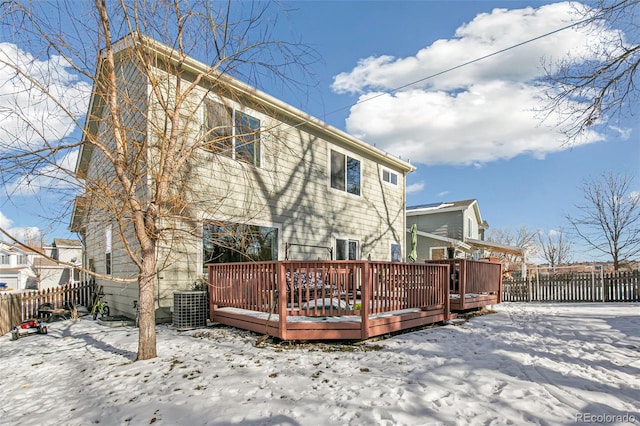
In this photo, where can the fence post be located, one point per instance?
(602, 281)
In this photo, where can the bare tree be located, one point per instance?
(522, 237)
(555, 247)
(609, 218)
(141, 185)
(592, 88)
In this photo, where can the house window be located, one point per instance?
(232, 133)
(22, 259)
(345, 173)
(469, 228)
(237, 242)
(346, 249)
(4, 259)
(438, 253)
(390, 177)
(107, 250)
(396, 252)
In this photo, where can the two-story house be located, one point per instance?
(50, 273)
(22, 269)
(452, 229)
(268, 182)
(447, 229)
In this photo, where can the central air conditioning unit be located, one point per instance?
(189, 309)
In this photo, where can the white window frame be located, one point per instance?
(265, 224)
(5, 259)
(469, 227)
(391, 244)
(348, 240)
(390, 173)
(234, 138)
(444, 252)
(330, 168)
(108, 250)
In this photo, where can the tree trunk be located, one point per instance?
(146, 305)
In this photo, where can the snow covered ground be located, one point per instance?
(549, 364)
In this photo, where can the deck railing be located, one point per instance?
(398, 286)
(473, 276)
(328, 288)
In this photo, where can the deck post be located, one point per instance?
(447, 294)
(500, 284)
(462, 277)
(282, 300)
(210, 288)
(365, 299)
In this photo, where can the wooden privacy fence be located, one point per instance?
(575, 287)
(17, 307)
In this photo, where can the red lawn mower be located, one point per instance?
(28, 327)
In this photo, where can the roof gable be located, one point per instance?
(278, 108)
(444, 207)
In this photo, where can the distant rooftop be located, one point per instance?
(59, 242)
(442, 205)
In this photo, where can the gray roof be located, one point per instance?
(59, 242)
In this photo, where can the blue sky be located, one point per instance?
(513, 164)
(471, 133)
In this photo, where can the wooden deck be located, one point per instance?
(328, 300)
(474, 284)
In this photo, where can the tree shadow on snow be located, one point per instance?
(98, 344)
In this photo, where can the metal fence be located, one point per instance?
(593, 286)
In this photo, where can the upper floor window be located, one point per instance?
(232, 133)
(345, 173)
(22, 259)
(4, 259)
(469, 228)
(389, 177)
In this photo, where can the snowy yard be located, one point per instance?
(550, 364)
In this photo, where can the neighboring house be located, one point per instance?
(451, 229)
(16, 272)
(296, 189)
(22, 269)
(52, 274)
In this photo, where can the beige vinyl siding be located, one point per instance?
(446, 224)
(290, 190)
(293, 190)
(101, 212)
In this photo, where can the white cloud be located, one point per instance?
(40, 106)
(5, 222)
(483, 112)
(16, 232)
(625, 133)
(415, 187)
(59, 175)
(40, 103)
